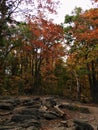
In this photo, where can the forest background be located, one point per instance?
(38, 56)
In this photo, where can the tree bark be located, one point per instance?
(37, 75)
(78, 87)
(95, 86)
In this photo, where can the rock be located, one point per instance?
(59, 128)
(10, 128)
(11, 100)
(5, 97)
(28, 118)
(32, 128)
(36, 103)
(14, 102)
(49, 102)
(37, 99)
(67, 123)
(20, 118)
(34, 112)
(50, 115)
(4, 113)
(26, 113)
(82, 125)
(31, 123)
(6, 106)
(43, 108)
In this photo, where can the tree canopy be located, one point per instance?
(39, 56)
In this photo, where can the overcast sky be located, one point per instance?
(67, 6)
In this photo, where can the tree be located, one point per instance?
(73, 65)
(84, 46)
(87, 34)
(45, 42)
(13, 41)
(7, 31)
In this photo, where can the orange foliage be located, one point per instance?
(86, 28)
(27, 48)
(45, 34)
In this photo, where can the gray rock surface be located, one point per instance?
(28, 114)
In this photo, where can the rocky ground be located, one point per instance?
(46, 113)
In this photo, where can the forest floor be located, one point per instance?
(90, 117)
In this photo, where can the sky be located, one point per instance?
(67, 6)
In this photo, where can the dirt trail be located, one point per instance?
(94, 112)
(93, 108)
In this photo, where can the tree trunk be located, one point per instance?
(37, 76)
(90, 79)
(78, 87)
(95, 85)
(93, 82)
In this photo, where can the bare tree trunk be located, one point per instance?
(78, 86)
